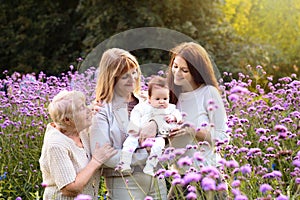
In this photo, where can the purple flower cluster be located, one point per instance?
(261, 160)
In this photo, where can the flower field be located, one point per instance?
(261, 161)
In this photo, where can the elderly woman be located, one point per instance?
(66, 163)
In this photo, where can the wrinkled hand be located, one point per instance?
(102, 154)
(96, 106)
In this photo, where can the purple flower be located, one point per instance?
(191, 188)
(83, 197)
(282, 197)
(160, 72)
(235, 191)
(282, 135)
(191, 195)
(261, 131)
(43, 184)
(208, 184)
(233, 97)
(274, 174)
(265, 187)
(240, 197)
(239, 89)
(211, 101)
(148, 198)
(246, 169)
(232, 164)
(253, 151)
(269, 149)
(179, 151)
(222, 187)
(18, 198)
(277, 107)
(212, 170)
(79, 59)
(296, 163)
(191, 177)
(236, 183)
(242, 149)
(177, 181)
(197, 156)
(185, 161)
(280, 128)
(148, 142)
(251, 108)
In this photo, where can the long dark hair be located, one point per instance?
(199, 65)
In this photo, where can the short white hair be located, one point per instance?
(64, 105)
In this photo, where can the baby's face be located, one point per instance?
(159, 98)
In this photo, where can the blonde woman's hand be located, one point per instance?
(102, 154)
(148, 131)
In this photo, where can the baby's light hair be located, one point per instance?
(157, 82)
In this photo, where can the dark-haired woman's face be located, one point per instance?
(182, 75)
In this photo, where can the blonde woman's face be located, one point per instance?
(126, 83)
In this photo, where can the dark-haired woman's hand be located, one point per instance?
(199, 135)
(180, 131)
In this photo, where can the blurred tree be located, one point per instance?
(38, 35)
(275, 25)
(201, 20)
(49, 35)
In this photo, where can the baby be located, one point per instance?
(157, 108)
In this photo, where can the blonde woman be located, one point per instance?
(66, 162)
(118, 88)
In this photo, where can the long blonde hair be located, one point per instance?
(114, 63)
(199, 65)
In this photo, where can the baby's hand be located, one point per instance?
(170, 118)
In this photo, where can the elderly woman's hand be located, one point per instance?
(102, 154)
(96, 106)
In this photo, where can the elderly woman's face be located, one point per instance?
(82, 115)
(127, 83)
